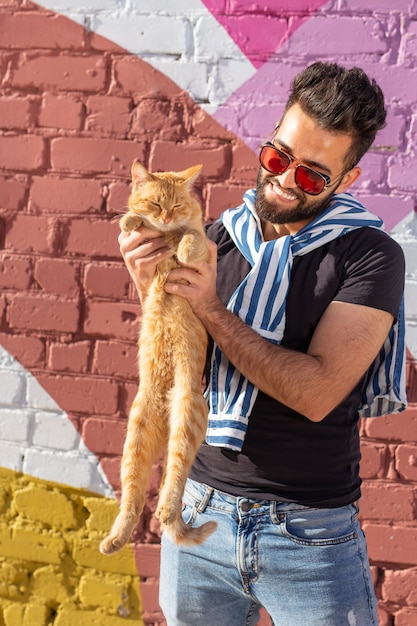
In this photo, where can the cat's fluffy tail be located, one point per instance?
(180, 533)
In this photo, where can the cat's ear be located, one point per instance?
(190, 175)
(140, 174)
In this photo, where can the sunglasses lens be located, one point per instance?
(273, 160)
(309, 181)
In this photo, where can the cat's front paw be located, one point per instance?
(166, 512)
(111, 544)
(130, 222)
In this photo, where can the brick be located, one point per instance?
(25, 544)
(39, 30)
(13, 387)
(117, 198)
(106, 280)
(63, 468)
(116, 359)
(63, 73)
(215, 158)
(15, 272)
(374, 460)
(98, 238)
(12, 458)
(32, 233)
(95, 156)
(220, 198)
(398, 427)
(69, 357)
(112, 319)
(25, 153)
(13, 615)
(15, 112)
(108, 114)
(104, 436)
(391, 544)
(50, 507)
(133, 76)
(105, 591)
(400, 586)
(54, 431)
(150, 596)
(64, 112)
(382, 500)
(150, 116)
(406, 461)
(36, 614)
(148, 560)
(111, 467)
(68, 617)
(29, 351)
(86, 553)
(38, 312)
(102, 513)
(81, 394)
(406, 617)
(65, 195)
(12, 193)
(14, 426)
(50, 584)
(57, 276)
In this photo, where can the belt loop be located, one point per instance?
(273, 511)
(204, 502)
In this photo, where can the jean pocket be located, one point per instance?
(321, 527)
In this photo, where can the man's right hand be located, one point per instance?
(142, 250)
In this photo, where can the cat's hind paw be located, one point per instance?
(111, 544)
(166, 513)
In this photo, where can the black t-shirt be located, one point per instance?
(286, 456)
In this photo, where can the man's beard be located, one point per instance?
(306, 209)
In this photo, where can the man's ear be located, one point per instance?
(348, 179)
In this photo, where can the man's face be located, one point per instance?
(278, 199)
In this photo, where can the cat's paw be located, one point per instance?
(130, 222)
(111, 544)
(166, 512)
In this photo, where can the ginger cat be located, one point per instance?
(169, 412)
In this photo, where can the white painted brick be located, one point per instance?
(38, 398)
(52, 430)
(14, 425)
(410, 296)
(66, 468)
(411, 338)
(11, 456)
(12, 388)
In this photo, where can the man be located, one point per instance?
(300, 293)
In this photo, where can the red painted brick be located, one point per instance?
(86, 394)
(12, 193)
(109, 114)
(64, 112)
(112, 319)
(104, 436)
(384, 501)
(92, 238)
(245, 165)
(28, 30)
(129, 392)
(38, 312)
(406, 461)
(391, 544)
(220, 198)
(57, 276)
(147, 558)
(215, 158)
(134, 76)
(29, 351)
(22, 153)
(406, 617)
(65, 72)
(374, 459)
(95, 156)
(111, 467)
(15, 112)
(65, 195)
(70, 357)
(32, 233)
(150, 600)
(400, 586)
(15, 272)
(398, 427)
(116, 359)
(106, 280)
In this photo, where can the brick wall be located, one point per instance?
(76, 106)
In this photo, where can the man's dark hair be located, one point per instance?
(341, 100)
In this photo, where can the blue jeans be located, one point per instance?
(306, 566)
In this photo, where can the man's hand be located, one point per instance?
(142, 250)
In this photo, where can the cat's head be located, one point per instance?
(163, 199)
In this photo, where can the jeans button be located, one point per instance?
(245, 506)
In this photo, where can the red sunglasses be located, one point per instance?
(276, 161)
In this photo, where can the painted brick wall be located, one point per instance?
(173, 83)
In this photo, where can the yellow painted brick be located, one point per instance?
(36, 615)
(86, 553)
(68, 617)
(102, 511)
(48, 506)
(50, 583)
(116, 594)
(32, 545)
(14, 580)
(13, 615)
